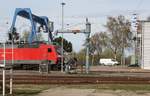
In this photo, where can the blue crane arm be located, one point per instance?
(42, 20)
(37, 19)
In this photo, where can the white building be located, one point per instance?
(145, 45)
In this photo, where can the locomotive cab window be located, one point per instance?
(49, 50)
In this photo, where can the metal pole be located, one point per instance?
(3, 81)
(88, 31)
(62, 53)
(136, 42)
(11, 71)
(135, 36)
(4, 72)
(87, 59)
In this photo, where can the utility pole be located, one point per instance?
(11, 70)
(88, 31)
(62, 50)
(135, 25)
(4, 55)
(11, 66)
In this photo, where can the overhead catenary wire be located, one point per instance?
(139, 4)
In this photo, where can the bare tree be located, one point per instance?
(119, 33)
(98, 42)
(26, 34)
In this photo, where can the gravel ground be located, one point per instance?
(62, 91)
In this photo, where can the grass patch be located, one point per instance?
(127, 87)
(33, 90)
(29, 90)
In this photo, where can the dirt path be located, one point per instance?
(62, 91)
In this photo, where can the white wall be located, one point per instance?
(145, 45)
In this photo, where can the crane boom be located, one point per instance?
(42, 20)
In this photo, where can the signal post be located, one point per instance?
(85, 31)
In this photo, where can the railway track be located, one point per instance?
(39, 79)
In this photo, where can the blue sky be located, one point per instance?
(75, 13)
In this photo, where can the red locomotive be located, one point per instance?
(33, 55)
